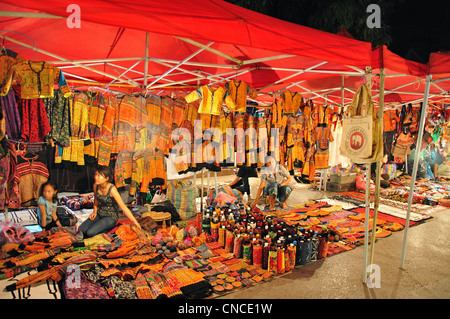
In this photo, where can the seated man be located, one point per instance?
(241, 183)
(275, 181)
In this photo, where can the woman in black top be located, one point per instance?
(106, 205)
(241, 183)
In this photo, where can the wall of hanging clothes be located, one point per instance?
(79, 129)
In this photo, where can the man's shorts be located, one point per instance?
(281, 192)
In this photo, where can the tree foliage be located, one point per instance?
(329, 15)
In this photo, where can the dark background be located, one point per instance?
(410, 28)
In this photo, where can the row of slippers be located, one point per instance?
(224, 282)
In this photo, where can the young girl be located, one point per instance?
(47, 202)
(107, 202)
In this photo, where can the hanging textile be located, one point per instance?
(291, 101)
(12, 199)
(123, 168)
(322, 137)
(264, 130)
(153, 105)
(37, 79)
(11, 116)
(58, 111)
(294, 142)
(238, 91)
(240, 125)
(33, 111)
(8, 58)
(96, 105)
(251, 142)
(106, 136)
(79, 115)
(166, 121)
(32, 173)
(226, 127)
(212, 99)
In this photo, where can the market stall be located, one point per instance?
(123, 88)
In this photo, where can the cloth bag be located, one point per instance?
(362, 131)
(182, 194)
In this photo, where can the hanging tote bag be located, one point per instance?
(182, 195)
(362, 139)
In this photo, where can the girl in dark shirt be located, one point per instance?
(106, 205)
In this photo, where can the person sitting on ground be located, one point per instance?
(107, 202)
(274, 183)
(241, 183)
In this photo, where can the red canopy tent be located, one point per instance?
(439, 69)
(438, 78)
(176, 44)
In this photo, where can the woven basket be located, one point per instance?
(158, 216)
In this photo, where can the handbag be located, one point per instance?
(159, 197)
(65, 217)
(362, 139)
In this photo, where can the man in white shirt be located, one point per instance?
(275, 181)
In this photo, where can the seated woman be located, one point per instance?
(107, 202)
(241, 183)
(275, 181)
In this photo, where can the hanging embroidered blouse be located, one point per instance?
(292, 101)
(153, 105)
(7, 59)
(238, 91)
(79, 116)
(32, 173)
(37, 79)
(390, 121)
(106, 135)
(58, 111)
(212, 99)
(322, 136)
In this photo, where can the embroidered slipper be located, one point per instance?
(218, 289)
(230, 279)
(237, 284)
(256, 278)
(228, 287)
(382, 233)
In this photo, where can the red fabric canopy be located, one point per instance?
(439, 64)
(212, 20)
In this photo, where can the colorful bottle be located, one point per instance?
(265, 256)
(247, 252)
(257, 254)
(237, 247)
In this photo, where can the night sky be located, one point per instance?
(415, 27)
(419, 28)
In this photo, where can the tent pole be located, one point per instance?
(416, 164)
(201, 190)
(208, 181)
(179, 64)
(126, 71)
(324, 97)
(237, 61)
(270, 58)
(342, 90)
(366, 221)
(147, 42)
(378, 174)
(367, 204)
(66, 60)
(294, 75)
